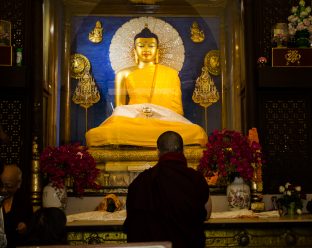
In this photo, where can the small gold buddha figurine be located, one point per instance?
(95, 35)
(197, 35)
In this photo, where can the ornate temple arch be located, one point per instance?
(220, 20)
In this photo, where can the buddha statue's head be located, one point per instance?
(146, 47)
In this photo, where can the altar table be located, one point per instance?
(250, 232)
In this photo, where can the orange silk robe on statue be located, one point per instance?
(128, 126)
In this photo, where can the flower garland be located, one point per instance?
(69, 161)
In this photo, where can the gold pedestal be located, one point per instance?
(120, 165)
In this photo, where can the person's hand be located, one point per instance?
(208, 207)
(21, 228)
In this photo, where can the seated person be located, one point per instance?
(148, 102)
(16, 207)
(47, 227)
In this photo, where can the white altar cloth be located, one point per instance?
(98, 215)
(121, 215)
(243, 213)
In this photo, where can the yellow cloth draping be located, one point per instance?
(164, 90)
(137, 130)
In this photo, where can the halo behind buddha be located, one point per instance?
(171, 47)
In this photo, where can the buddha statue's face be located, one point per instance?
(146, 49)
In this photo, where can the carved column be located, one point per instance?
(65, 88)
(36, 186)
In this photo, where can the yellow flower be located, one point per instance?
(298, 188)
(287, 185)
(302, 3)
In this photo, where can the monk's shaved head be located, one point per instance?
(169, 142)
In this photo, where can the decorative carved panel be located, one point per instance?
(283, 232)
(286, 125)
(271, 13)
(13, 11)
(11, 120)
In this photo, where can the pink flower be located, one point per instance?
(262, 60)
(306, 22)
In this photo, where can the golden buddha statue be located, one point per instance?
(148, 102)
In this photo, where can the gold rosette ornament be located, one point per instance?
(79, 65)
(212, 62)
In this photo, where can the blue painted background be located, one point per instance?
(101, 70)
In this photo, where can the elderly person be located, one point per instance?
(16, 207)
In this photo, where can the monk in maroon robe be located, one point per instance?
(168, 202)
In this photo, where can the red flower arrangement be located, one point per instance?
(229, 153)
(69, 161)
